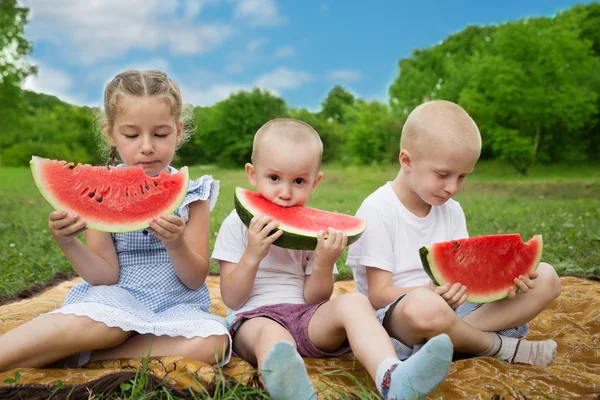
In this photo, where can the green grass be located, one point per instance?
(562, 202)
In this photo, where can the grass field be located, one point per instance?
(561, 202)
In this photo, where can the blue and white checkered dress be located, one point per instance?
(150, 297)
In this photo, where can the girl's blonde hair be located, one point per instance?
(140, 84)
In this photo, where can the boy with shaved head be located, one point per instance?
(440, 146)
(279, 300)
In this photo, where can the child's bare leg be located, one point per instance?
(263, 342)
(351, 316)
(523, 308)
(422, 314)
(210, 350)
(53, 337)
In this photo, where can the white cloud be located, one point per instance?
(211, 94)
(345, 75)
(283, 78)
(96, 30)
(274, 81)
(239, 60)
(257, 43)
(51, 81)
(285, 51)
(259, 12)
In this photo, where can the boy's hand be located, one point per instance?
(64, 227)
(329, 250)
(259, 240)
(524, 284)
(169, 229)
(455, 295)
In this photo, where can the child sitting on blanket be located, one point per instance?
(279, 300)
(142, 290)
(439, 147)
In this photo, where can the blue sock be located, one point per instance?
(421, 373)
(284, 374)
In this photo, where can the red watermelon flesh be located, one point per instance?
(486, 265)
(300, 225)
(111, 200)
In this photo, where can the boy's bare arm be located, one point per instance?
(237, 281)
(381, 289)
(319, 286)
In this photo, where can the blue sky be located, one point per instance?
(296, 49)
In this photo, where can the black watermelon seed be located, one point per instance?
(99, 199)
(155, 184)
(147, 186)
(91, 194)
(71, 166)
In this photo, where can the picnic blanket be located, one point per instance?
(572, 320)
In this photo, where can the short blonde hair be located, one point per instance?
(430, 120)
(141, 84)
(286, 128)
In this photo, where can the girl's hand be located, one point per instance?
(169, 229)
(455, 295)
(524, 284)
(330, 249)
(65, 226)
(259, 240)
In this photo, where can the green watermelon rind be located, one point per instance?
(35, 164)
(435, 276)
(291, 238)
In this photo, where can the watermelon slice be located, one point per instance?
(110, 200)
(486, 265)
(300, 225)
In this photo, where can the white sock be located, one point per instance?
(382, 369)
(522, 351)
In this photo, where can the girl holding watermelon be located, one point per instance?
(278, 299)
(440, 146)
(144, 291)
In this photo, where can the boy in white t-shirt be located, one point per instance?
(440, 146)
(279, 300)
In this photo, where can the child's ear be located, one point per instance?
(251, 174)
(405, 160)
(179, 132)
(317, 180)
(108, 134)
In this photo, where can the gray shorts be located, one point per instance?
(403, 351)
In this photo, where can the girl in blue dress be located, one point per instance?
(143, 291)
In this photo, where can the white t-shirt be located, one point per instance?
(394, 236)
(281, 274)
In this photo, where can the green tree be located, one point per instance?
(228, 136)
(14, 66)
(369, 136)
(438, 72)
(532, 100)
(337, 101)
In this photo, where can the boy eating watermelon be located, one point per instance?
(278, 299)
(440, 146)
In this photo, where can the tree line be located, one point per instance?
(532, 85)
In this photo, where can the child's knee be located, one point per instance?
(549, 281)
(353, 302)
(211, 349)
(424, 310)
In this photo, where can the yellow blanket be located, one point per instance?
(573, 321)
